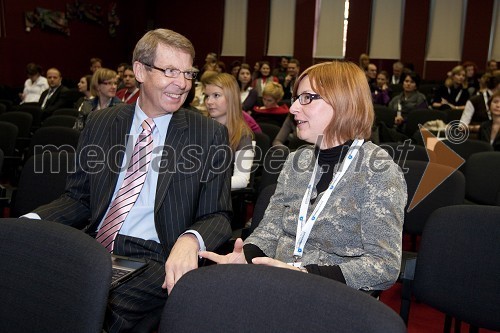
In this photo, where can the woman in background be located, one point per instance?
(249, 97)
(453, 94)
(489, 130)
(84, 88)
(409, 99)
(271, 112)
(34, 85)
(103, 88)
(381, 92)
(364, 61)
(222, 98)
(264, 76)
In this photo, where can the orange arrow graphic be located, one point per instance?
(433, 176)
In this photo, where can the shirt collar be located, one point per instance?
(160, 122)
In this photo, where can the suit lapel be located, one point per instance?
(116, 137)
(174, 142)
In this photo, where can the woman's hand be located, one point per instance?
(398, 120)
(235, 257)
(273, 262)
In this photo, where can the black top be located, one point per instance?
(328, 160)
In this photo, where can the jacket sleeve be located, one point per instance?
(214, 198)
(269, 231)
(382, 216)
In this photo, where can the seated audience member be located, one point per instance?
(491, 66)
(177, 211)
(35, 85)
(471, 77)
(281, 71)
(364, 61)
(489, 130)
(199, 96)
(220, 67)
(371, 76)
(249, 96)
(271, 111)
(476, 109)
(120, 70)
(345, 225)
(56, 96)
(381, 92)
(452, 94)
(293, 71)
(397, 73)
(264, 76)
(130, 92)
(223, 105)
(95, 64)
(84, 88)
(256, 70)
(409, 99)
(210, 63)
(234, 68)
(103, 88)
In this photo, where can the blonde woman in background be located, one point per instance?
(222, 98)
(453, 94)
(103, 88)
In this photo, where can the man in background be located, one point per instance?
(130, 91)
(56, 96)
(397, 71)
(293, 70)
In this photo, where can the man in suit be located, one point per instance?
(293, 70)
(55, 97)
(184, 205)
(397, 71)
(476, 109)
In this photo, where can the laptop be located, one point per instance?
(125, 268)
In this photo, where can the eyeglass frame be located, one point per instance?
(312, 97)
(194, 73)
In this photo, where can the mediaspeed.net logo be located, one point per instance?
(456, 133)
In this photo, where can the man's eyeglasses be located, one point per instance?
(306, 98)
(174, 72)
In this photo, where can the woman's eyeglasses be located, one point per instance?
(109, 83)
(306, 98)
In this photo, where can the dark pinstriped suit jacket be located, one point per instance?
(193, 189)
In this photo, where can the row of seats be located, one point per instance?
(454, 185)
(456, 273)
(19, 136)
(415, 117)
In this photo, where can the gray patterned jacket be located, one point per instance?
(360, 229)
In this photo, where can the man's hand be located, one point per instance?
(182, 259)
(235, 257)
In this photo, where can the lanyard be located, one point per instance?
(304, 228)
(485, 97)
(458, 95)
